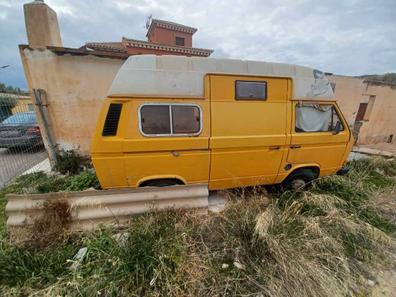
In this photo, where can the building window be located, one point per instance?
(317, 118)
(369, 109)
(180, 41)
(250, 90)
(361, 112)
(170, 119)
(30, 107)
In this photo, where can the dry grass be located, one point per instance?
(52, 225)
(325, 242)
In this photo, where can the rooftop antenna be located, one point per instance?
(148, 21)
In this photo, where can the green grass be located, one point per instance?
(39, 182)
(321, 242)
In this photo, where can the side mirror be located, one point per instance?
(337, 128)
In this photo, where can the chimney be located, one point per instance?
(41, 25)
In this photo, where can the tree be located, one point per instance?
(11, 90)
(6, 106)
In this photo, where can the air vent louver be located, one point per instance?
(112, 119)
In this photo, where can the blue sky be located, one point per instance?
(350, 37)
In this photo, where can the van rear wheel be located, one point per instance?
(299, 180)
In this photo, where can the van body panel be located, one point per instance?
(248, 137)
(222, 87)
(110, 170)
(191, 166)
(244, 167)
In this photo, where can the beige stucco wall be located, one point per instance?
(350, 92)
(75, 87)
(382, 121)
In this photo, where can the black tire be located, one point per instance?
(302, 176)
(166, 182)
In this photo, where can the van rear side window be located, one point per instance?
(169, 119)
(250, 90)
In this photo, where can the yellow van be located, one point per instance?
(226, 123)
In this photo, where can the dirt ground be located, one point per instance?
(13, 163)
(386, 147)
(386, 284)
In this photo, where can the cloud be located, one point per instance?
(344, 37)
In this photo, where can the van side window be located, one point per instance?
(185, 119)
(250, 90)
(170, 119)
(155, 119)
(317, 118)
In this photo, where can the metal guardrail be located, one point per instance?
(91, 208)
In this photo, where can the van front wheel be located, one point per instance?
(299, 180)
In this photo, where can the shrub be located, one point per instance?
(84, 180)
(39, 182)
(70, 162)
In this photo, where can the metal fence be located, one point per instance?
(21, 144)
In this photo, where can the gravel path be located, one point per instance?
(13, 163)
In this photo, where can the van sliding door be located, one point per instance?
(248, 129)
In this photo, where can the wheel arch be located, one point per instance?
(315, 168)
(178, 179)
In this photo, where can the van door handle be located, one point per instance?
(294, 146)
(273, 148)
(175, 154)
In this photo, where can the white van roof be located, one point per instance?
(179, 76)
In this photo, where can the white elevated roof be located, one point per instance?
(178, 76)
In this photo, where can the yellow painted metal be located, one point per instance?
(242, 142)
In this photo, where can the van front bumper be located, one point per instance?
(343, 171)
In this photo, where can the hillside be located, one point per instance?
(387, 78)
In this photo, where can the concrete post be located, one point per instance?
(42, 26)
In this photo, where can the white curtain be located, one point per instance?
(313, 118)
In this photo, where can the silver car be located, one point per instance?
(20, 130)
